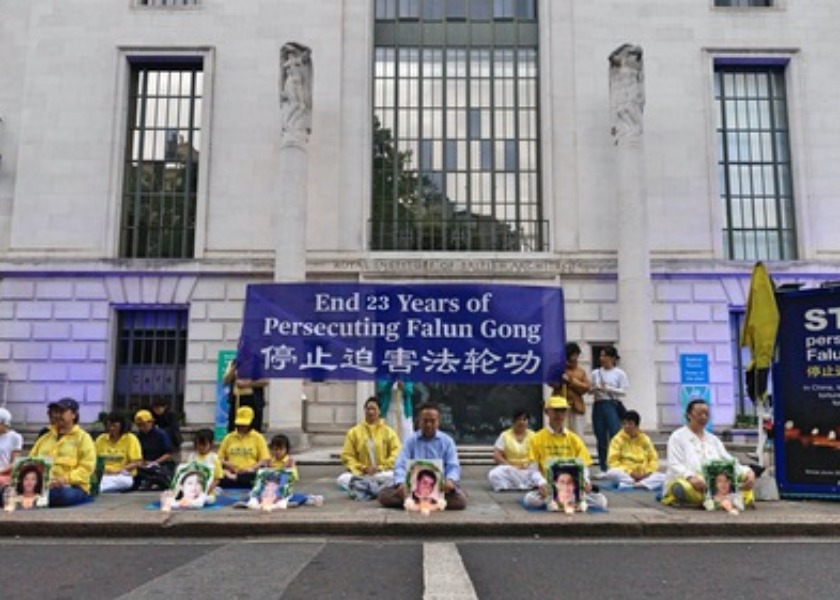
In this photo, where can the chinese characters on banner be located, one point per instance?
(423, 332)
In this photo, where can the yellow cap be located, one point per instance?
(143, 416)
(557, 402)
(244, 416)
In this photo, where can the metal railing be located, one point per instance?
(458, 235)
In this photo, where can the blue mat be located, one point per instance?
(221, 502)
(544, 508)
(612, 486)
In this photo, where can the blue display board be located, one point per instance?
(806, 382)
(220, 419)
(694, 382)
(420, 331)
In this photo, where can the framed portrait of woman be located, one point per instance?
(30, 484)
(566, 484)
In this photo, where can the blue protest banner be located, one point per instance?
(423, 332)
(806, 393)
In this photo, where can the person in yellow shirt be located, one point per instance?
(555, 441)
(120, 451)
(510, 453)
(632, 458)
(370, 449)
(242, 452)
(71, 451)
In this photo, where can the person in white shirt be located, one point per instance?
(609, 386)
(11, 446)
(689, 447)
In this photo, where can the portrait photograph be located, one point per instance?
(272, 490)
(189, 488)
(424, 485)
(566, 483)
(30, 484)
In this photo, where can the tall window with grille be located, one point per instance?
(455, 134)
(151, 358)
(754, 162)
(161, 159)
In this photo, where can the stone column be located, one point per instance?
(627, 99)
(289, 217)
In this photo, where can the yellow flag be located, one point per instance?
(762, 319)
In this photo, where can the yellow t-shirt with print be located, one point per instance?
(116, 455)
(244, 451)
(546, 445)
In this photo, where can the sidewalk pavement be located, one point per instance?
(633, 514)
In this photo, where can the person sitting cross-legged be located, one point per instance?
(510, 452)
(370, 449)
(120, 451)
(632, 459)
(242, 452)
(555, 441)
(689, 448)
(158, 466)
(71, 451)
(427, 443)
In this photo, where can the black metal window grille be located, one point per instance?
(744, 3)
(166, 3)
(161, 159)
(151, 358)
(754, 163)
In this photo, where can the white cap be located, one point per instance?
(5, 417)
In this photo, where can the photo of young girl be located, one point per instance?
(29, 488)
(272, 490)
(566, 480)
(722, 491)
(190, 487)
(424, 483)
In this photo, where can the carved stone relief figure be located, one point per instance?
(295, 92)
(627, 92)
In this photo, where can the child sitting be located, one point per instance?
(281, 460)
(203, 444)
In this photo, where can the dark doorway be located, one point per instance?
(478, 413)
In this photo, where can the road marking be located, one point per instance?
(232, 571)
(444, 575)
